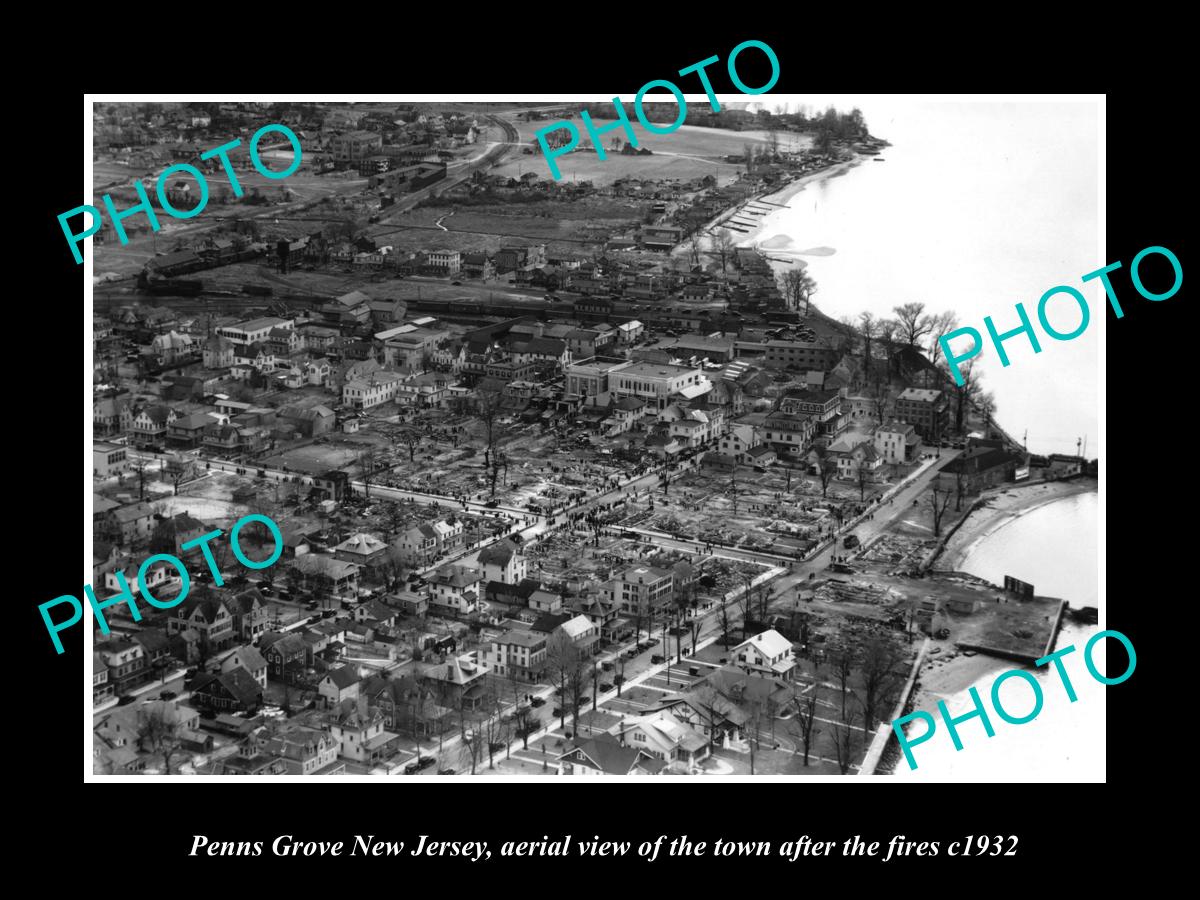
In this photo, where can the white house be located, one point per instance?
(502, 562)
(769, 653)
(663, 736)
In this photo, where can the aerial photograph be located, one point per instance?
(654, 468)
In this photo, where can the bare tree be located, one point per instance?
(805, 720)
(867, 328)
(863, 476)
(886, 331)
(764, 602)
(880, 396)
(725, 624)
(938, 501)
(747, 604)
(841, 668)
(577, 679)
(368, 465)
(845, 741)
(940, 324)
(411, 438)
(487, 410)
(881, 670)
(562, 661)
(493, 725)
(158, 733)
(914, 323)
(179, 471)
(139, 473)
(798, 286)
(826, 467)
(722, 242)
(985, 403)
(472, 740)
(525, 721)
(965, 393)
(755, 710)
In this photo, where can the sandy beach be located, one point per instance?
(1003, 507)
(949, 672)
(781, 197)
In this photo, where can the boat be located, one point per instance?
(879, 159)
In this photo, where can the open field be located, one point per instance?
(288, 197)
(690, 152)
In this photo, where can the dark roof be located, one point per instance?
(238, 683)
(344, 677)
(498, 554)
(605, 753)
(982, 460)
(547, 622)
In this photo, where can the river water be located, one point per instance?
(977, 206)
(1054, 547)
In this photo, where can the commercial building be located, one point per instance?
(658, 383)
(802, 355)
(926, 410)
(245, 333)
(590, 379)
(108, 459)
(355, 146)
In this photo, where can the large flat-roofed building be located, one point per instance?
(591, 379)
(108, 458)
(657, 382)
(356, 145)
(409, 345)
(448, 261)
(800, 355)
(640, 589)
(246, 333)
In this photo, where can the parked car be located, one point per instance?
(495, 747)
(606, 686)
(492, 504)
(445, 771)
(657, 658)
(417, 765)
(557, 711)
(167, 695)
(537, 701)
(850, 541)
(126, 700)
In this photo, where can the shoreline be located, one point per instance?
(947, 671)
(780, 196)
(1004, 508)
(785, 194)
